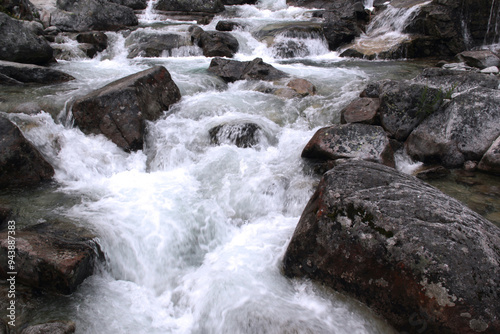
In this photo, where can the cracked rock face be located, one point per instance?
(418, 257)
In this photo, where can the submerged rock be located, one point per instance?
(20, 44)
(350, 141)
(119, 110)
(56, 327)
(20, 162)
(27, 73)
(233, 70)
(242, 135)
(224, 25)
(418, 257)
(214, 43)
(462, 131)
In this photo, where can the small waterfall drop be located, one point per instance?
(386, 30)
(492, 35)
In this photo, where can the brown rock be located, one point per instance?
(120, 109)
(302, 87)
(361, 110)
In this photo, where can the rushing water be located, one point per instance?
(193, 233)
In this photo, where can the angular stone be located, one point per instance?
(480, 59)
(350, 141)
(27, 73)
(154, 44)
(20, 162)
(47, 262)
(242, 135)
(413, 254)
(232, 70)
(463, 131)
(214, 43)
(491, 159)
(362, 110)
(119, 110)
(20, 44)
(302, 87)
(451, 82)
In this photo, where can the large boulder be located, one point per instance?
(88, 15)
(48, 259)
(134, 4)
(418, 257)
(119, 110)
(142, 44)
(462, 131)
(490, 162)
(20, 44)
(453, 26)
(233, 70)
(243, 135)
(214, 43)
(207, 6)
(480, 59)
(344, 20)
(27, 73)
(350, 141)
(20, 162)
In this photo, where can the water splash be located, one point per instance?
(492, 35)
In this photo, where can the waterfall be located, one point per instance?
(386, 29)
(492, 35)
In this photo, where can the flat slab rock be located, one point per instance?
(27, 73)
(50, 262)
(233, 70)
(410, 252)
(119, 110)
(350, 141)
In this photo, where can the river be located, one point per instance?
(194, 233)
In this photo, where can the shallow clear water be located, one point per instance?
(193, 233)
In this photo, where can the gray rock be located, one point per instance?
(242, 135)
(214, 43)
(207, 6)
(238, 2)
(134, 4)
(490, 70)
(27, 73)
(119, 110)
(233, 70)
(491, 159)
(463, 131)
(416, 256)
(20, 44)
(404, 105)
(142, 44)
(96, 38)
(20, 162)
(88, 15)
(350, 141)
(57, 327)
(225, 25)
(451, 82)
(480, 59)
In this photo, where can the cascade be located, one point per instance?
(386, 29)
(492, 35)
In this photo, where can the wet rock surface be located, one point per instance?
(20, 44)
(233, 70)
(490, 162)
(350, 141)
(57, 327)
(27, 73)
(362, 110)
(50, 259)
(402, 247)
(242, 135)
(207, 6)
(214, 43)
(154, 45)
(479, 59)
(88, 15)
(119, 110)
(20, 162)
